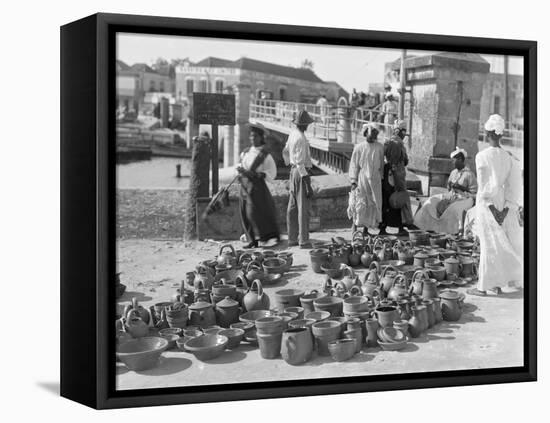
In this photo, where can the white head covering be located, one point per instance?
(459, 150)
(495, 123)
(370, 125)
(399, 124)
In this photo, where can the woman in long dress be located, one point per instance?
(365, 172)
(444, 212)
(257, 207)
(497, 220)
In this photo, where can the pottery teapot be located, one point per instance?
(201, 314)
(350, 278)
(135, 325)
(370, 283)
(205, 275)
(417, 282)
(256, 298)
(404, 251)
(142, 312)
(399, 289)
(355, 255)
(254, 271)
(386, 280)
(227, 256)
(227, 312)
(367, 257)
(382, 250)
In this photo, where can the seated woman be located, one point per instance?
(444, 212)
(257, 207)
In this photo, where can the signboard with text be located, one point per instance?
(213, 109)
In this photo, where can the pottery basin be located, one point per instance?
(142, 353)
(234, 337)
(342, 349)
(207, 347)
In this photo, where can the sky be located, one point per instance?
(351, 67)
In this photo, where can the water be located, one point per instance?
(159, 172)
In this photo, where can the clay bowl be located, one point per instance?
(252, 316)
(342, 349)
(207, 347)
(287, 257)
(212, 330)
(333, 270)
(393, 335)
(171, 340)
(246, 326)
(143, 353)
(274, 265)
(187, 335)
(318, 316)
(171, 331)
(272, 279)
(393, 346)
(234, 337)
(382, 335)
(398, 264)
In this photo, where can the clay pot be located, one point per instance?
(349, 279)
(334, 305)
(287, 257)
(248, 328)
(256, 298)
(386, 281)
(274, 265)
(438, 316)
(135, 325)
(357, 335)
(318, 257)
(429, 312)
(419, 259)
(325, 332)
(415, 323)
(270, 344)
(399, 288)
(370, 286)
(255, 271)
(437, 272)
(451, 305)
(469, 267)
(177, 315)
(417, 282)
(303, 323)
(403, 309)
(142, 312)
(386, 315)
(227, 256)
(355, 304)
(297, 345)
(227, 312)
(403, 326)
(269, 325)
(342, 349)
(298, 310)
(367, 257)
(355, 256)
(287, 298)
(429, 289)
(202, 314)
(287, 318)
(342, 321)
(452, 265)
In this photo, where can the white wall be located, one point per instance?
(30, 214)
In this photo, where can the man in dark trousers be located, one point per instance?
(296, 154)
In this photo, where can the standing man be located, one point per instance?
(365, 171)
(396, 162)
(296, 154)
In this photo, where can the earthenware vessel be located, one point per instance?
(287, 298)
(469, 267)
(367, 257)
(234, 337)
(135, 325)
(403, 309)
(254, 271)
(386, 280)
(269, 325)
(318, 258)
(403, 326)
(429, 312)
(429, 289)
(357, 335)
(420, 258)
(386, 315)
(423, 315)
(438, 316)
(204, 274)
(325, 332)
(287, 257)
(227, 256)
(227, 312)
(270, 344)
(287, 317)
(202, 314)
(256, 298)
(306, 300)
(142, 312)
(399, 288)
(342, 321)
(141, 354)
(206, 347)
(417, 282)
(248, 327)
(297, 345)
(370, 285)
(355, 304)
(451, 305)
(372, 337)
(415, 323)
(334, 305)
(177, 315)
(452, 265)
(342, 349)
(355, 256)
(349, 279)
(298, 310)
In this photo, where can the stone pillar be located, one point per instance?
(191, 130)
(242, 115)
(165, 112)
(228, 145)
(446, 93)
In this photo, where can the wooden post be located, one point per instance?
(215, 161)
(178, 171)
(198, 184)
(402, 84)
(506, 106)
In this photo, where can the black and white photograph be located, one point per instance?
(296, 211)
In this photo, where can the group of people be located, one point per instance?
(379, 197)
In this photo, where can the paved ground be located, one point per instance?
(489, 334)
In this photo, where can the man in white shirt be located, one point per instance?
(296, 154)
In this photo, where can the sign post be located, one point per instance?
(214, 110)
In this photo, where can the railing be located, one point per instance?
(331, 123)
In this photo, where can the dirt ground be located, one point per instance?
(488, 335)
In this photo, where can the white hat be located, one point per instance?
(495, 123)
(258, 125)
(370, 125)
(399, 124)
(459, 151)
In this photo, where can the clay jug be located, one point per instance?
(297, 345)
(429, 289)
(370, 284)
(355, 256)
(415, 324)
(372, 337)
(451, 305)
(399, 288)
(227, 256)
(386, 281)
(255, 271)
(420, 259)
(386, 315)
(452, 265)
(318, 257)
(403, 309)
(356, 335)
(417, 282)
(135, 325)
(423, 315)
(306, 300)
(201, 314)
(404, 251)
(270, 344)
(256, 298)
(429, 312)
(177, 315)
(367, 256)
(204, 277)
(349, 279)
(469, 267)
(142, 312)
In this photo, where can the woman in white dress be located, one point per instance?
(444, 212)
(365, 172)
(497, 220)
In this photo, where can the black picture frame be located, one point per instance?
(88, 209)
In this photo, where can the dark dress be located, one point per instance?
(257, 206)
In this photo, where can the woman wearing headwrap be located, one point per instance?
(443, 212)
(497, 220)
(365, 172)
(256, 203)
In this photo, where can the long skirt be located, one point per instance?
(257, 210)
(450, 222)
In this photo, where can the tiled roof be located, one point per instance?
(142, 67)
(121, 66)
(258, 66)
